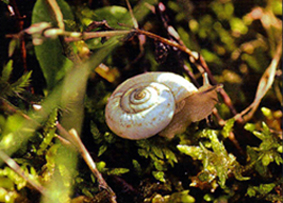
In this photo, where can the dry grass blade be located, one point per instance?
(135, 22)
(13, 165)
(264, 85)
(58, 14)
(74, 138)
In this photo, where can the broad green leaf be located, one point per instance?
(53, 63)
(113, 15)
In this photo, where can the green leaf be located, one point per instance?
(259, 135)
(194, 152)
(6, 72)
(157, 151)
(117, 171)
(137, 166)
(266, 112)
(53, 63)
(266, 130)
(48, 132)
(169, 155)
(159, 165)
(102, 149)
(278, 159)
(237, 25)
(228, 127)
(208, 197)
(6, 183)
(159, 175)
(249, 127)
(12, 46)
(14, 177)
(21, 83)
(101, 165)
(6, 1)
(251, 192)
(280, 149)
(262, 189)
(143, 152)
(259, 167)
(182, 196)
(112, 14)
(109, 137)
(266, 159)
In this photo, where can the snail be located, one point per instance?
(161, 103)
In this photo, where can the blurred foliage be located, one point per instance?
(53, 70)
(15, 88)
(207, 163)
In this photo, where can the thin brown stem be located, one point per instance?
(166, 41)
(74, 138)
(20, 23)
(135, 22)
(198, 60)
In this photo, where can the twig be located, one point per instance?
(68, 50)
(264, 85)
(141, 38)
(13, 165)
(74, 36)
(58, 14)
(10, 108)
(199, 61)
(135, 22)
(74, 138)
(20, 23)
(196, 59)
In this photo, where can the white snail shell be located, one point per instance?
(156, 103)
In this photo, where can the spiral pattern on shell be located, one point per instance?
(144, 105)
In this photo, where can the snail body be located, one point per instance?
(157, 103)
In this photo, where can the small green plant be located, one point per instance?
(218, 164)
(8, 88)
(270, 148)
